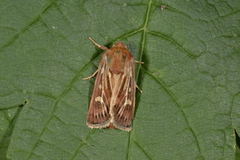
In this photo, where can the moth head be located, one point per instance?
(120, 45)
(121, 50)
(117, 57)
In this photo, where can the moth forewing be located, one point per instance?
(113, 99)
(98, 112)
(125, 104)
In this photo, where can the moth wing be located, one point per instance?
(98, 112)
(123, 110)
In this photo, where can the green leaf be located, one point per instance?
(8, 119)
(190, 79)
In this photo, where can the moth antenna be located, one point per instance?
(91, 76)
(97, 45)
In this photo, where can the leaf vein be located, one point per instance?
(58, 99)
(172, 96)
(143, 150)
(189, 53)
(142, 47)
(24, 29)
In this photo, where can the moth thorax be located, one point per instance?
(117, 66)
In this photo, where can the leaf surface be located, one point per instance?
(190, 79)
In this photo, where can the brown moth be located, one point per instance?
(113, 99)
(162, 7)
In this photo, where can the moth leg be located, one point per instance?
(91, 76)
(139, 62)
(98, 45)
(138, 88)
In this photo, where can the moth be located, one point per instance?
(162, 7)
(113, 99)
